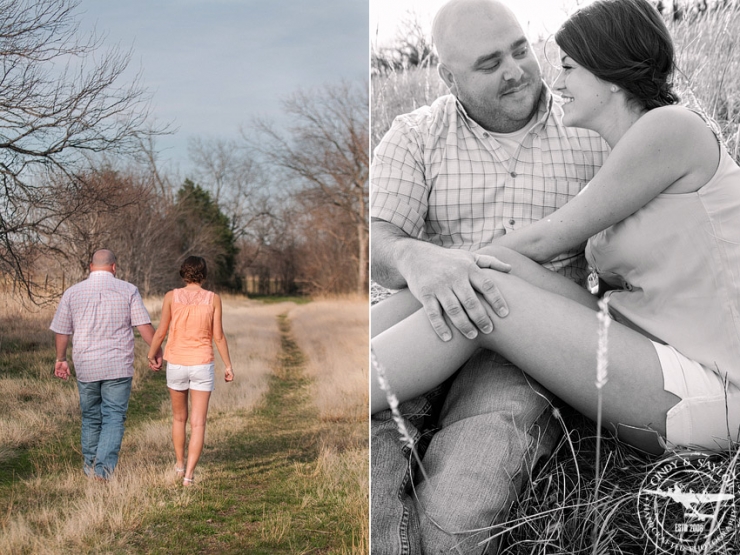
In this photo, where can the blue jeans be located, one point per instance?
(103, 405)
(495, 424)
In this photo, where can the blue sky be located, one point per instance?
(213, 65)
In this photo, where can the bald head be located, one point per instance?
(460, 22)
(486, 61)
(103, 259)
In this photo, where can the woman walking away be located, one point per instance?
(192, 315)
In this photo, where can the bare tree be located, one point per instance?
(235, 181)
(61, 102)
(412, 47)
(325, 151)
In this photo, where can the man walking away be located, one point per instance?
(101, 312)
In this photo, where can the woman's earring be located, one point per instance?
(614, 88)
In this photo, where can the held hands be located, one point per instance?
(155, 362)
(228, 374)
(61, 370)
(445, 281)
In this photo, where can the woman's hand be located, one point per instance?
(228, 374)
(485, 260)
(155, 359)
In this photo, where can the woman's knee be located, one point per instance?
(197, 424)
(180, 417)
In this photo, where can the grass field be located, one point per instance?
(276, 475)
(570, 505)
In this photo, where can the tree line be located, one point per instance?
(278, 210)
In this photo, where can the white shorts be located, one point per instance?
(199, 377)
(709, 410)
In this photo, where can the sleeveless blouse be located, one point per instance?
(191, 328)
(676, 264)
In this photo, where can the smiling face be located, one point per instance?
(488, 63)
(587, 99)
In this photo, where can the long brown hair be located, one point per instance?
(625, 42)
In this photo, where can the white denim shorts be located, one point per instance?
(709, 410)
(199, 377)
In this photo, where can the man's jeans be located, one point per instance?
(103, 405)
(494, 426)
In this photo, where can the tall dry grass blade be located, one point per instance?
(393, 404)
(602, 367)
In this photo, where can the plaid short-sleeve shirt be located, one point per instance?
(100, 313)
(442, 178)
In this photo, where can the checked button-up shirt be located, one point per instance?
(442, 178)
(100, 312)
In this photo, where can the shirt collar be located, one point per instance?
(98, 273)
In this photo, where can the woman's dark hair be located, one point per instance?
(625, 42)
(194, 270)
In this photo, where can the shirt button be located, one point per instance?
(512, 221)
(485, 135)
(513, 174)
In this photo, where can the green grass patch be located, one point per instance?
(147, 397)
(260, 485)
(260, 494)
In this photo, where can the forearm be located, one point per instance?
(530, 241)
(392, 251)
(156, 342)
(61, 342)
(223, 350)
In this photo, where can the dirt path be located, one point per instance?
(265, 483)
(262, 493)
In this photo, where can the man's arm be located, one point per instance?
(61, 367)
(444, 281)
(147, 334)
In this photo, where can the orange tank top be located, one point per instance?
(191, 328)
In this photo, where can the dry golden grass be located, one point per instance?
(68, 512)
(32, 407)
(254, 345)
(333, 334)
(399, 93)
(31, 411)
(708, 69)
(72, 515)
(58, 511)
(21, 320)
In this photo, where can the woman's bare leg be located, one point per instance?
(179, 419)
(403, 304)
(198, 413)
(551, 337)
(391, 310)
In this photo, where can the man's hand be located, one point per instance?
(445, 281)
(156, 362)
(61, 370)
